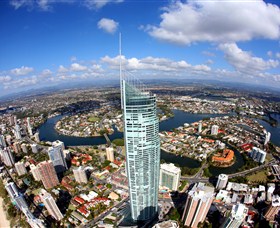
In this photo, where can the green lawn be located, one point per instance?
(93, 119)
(71, 207)
(257, 177)
(36, 191)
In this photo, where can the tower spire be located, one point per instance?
(120, 56)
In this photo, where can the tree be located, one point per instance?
(118, 142)
(174, 214)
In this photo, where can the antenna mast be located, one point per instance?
(120, 56)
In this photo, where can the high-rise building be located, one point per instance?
(273, 209)
(37, 137)
(17, 147)
(110, 154)
(32, 220)
(169, 176)
(7, 156)
(214, 129)
(50, 205)
(9, 139)
(80, 175)
(20, 168)
(24, 148)
(2, 141)
(15, 196)
(198, 203)
(142, 143)
(17, 132)
(258, 155)
(29, 126)
(57, 157)
(34, 148)
(11, 120)
(267, 138)
(199, 127)
(12, 190)
(222, 181)
(35, 172)
(237, 216)
(48, 174)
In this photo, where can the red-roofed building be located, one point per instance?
(79, 200)
(75, 162)
(247, 147)
(65, 183)
(83, 211)
(37, 199)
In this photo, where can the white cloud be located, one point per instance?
(46, 72)
(208, 53)
(108, 25)
(269, 54)
(209, 62)
(20, 3)
(44, 5)
(217, 21)
(62, 69)
(277, 55)
(244, 62)
(22, 70)
(153, 64)
(5, 78)
(77, 67)
(23, 82)
(98, 4)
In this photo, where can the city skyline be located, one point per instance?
(54, 43)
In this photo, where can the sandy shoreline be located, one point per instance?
(4, 222)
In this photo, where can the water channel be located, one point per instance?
(48, 133)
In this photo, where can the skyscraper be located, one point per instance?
(222, 181)
(34, 148)
(2, 141)
(29, 126)
(35, 172)
(17, 132)
(214, 129)
(199, 127)
(142, 143)
(48, 174)
(273, 209)
(267, 138)
(110, 154)
(258, 155)
(57, 157)
(20, 168)
(198, 204)
(237, 216)
(169, 176)
(51, 205)
(80, 175)
(7, 156)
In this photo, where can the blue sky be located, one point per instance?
(48, 42)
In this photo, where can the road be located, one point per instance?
(198, 178)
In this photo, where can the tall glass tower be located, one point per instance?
(141, 128)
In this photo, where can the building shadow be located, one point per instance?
(63, 201)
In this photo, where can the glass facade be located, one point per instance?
(141, 128)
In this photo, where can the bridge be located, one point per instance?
(107, 139)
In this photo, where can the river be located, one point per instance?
(274, 131)
(48, 133)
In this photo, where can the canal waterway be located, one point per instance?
(48, 133)
(274, 131)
